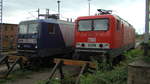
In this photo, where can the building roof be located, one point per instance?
(9, 24)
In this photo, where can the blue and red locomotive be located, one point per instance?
(104, 35)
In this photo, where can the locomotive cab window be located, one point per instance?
(51, 29)
(33, 28)
(85, 25)
(23, 28)
(118, 25)
(100, 24)
(93, 25)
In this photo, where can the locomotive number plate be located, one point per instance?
(91, 39)
(91, 45)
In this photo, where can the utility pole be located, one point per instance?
(1, 26)
(38, 13)
(146, 37)
(89, 6)
(58, 8)
(47, 13)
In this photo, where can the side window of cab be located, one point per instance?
(118, 25)
(51, 28)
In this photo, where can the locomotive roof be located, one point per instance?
(55, 21)
(116, 16)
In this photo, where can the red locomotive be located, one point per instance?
(103, 34)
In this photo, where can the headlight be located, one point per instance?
(82, 44)
(100, 45)
(18, 46)
(36, 46)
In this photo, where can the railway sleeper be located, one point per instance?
(59, 64)
(103, 59)
(5, 60)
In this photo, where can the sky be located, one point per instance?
(132, 11)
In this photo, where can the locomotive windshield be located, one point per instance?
(91, 25)
(28, 28)
(23, 29)
(85, 25)
(33, 28)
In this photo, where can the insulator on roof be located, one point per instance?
(103, 11)
(71, 20)
(54, 16)
(67, 19)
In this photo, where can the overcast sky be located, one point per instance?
(132, 11)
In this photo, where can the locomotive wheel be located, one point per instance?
(81, 56)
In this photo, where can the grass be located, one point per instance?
(17, 74)
(68, 79)
(146, 58)
(20, 74)
(116, 76)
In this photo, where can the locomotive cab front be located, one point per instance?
(103, 35)
(93, 34)
(27, 36)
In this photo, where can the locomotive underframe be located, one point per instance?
(106, 54)
(45, 52)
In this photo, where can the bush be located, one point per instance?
(133, 55)
(53, 81)
(116, 76)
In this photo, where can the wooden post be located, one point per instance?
(61, 72)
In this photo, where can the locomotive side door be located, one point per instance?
(119, 32)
